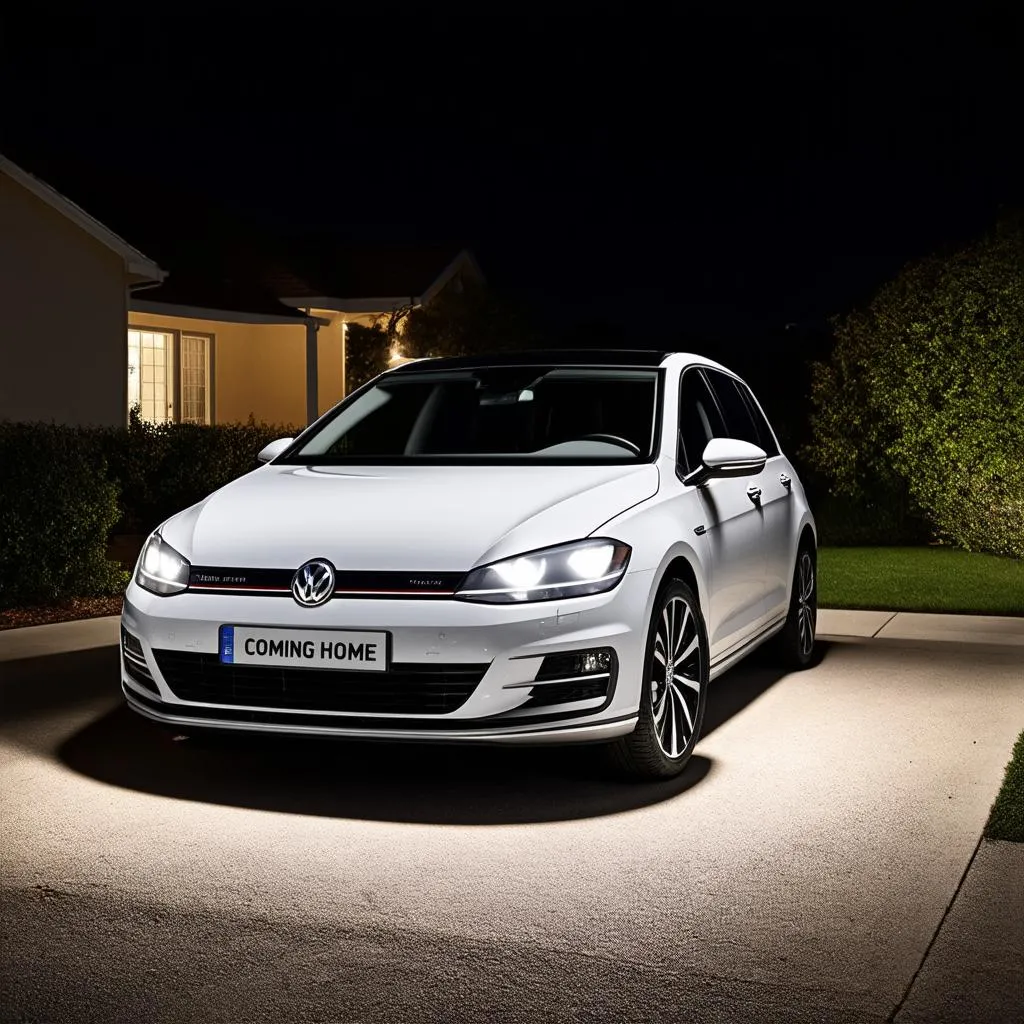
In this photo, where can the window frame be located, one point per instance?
(709, 373)
(760, 418)
(175, 381)
(683, 467)
(208, 337)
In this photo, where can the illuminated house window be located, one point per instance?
(169, 375)
(195, 378)
(149, 374)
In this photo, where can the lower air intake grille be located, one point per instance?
(140, 675)
(406, 689)
(135, 665)
(566, 693)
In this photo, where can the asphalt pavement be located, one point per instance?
(810, 865)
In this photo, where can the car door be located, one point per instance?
(745, 420)
(780, 520)
(732, 524)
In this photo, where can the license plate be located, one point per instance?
(304, 648)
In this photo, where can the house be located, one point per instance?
(64, 293)
(219, 322)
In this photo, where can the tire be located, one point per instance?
(795, 644)
(671, 710)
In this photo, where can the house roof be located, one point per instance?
(137, 263)
(325, 268)
(216, 258)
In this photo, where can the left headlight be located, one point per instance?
(161, 569)
(568, 570)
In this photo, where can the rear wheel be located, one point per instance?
(796, 641)
(673, 692)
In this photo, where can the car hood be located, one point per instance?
(418, 518)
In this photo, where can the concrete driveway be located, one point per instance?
(799, 871)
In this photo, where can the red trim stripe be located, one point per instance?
(238, 586)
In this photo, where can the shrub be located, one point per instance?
(66, 489)
(926, 387)
(161, 469)
(59, 507)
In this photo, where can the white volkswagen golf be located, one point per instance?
(539, 548)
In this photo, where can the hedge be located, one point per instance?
(59, 507)
(161, 469)
(67, 489)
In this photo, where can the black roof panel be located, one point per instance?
(541, 357)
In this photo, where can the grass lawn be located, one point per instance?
(1007, 818)
(926, 579)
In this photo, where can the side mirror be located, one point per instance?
(274, 449)
(728, 456)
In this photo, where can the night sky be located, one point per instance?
(648, 178)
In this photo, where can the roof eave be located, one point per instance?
(463, 258)
(137, 264)
(145, 270)
(208, 313)
(382, 304)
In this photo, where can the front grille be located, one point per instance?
(405, 689)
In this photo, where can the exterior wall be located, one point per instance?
(332, 381)
(258, 368)
(330, 362)
(62, 317)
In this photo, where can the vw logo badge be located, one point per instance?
(313, 583)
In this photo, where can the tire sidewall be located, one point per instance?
(673, 588)
(793, 624)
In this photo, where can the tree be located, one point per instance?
(469, 320)
(367, 351)
(925, 388)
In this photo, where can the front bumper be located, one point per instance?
(508, 643)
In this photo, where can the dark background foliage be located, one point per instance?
(59, 506)
(922, 398)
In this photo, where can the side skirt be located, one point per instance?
(724, 662)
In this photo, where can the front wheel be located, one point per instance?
(673, 691)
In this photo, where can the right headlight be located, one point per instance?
(550, 574)
(161, 569)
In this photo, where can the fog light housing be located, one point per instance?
(597, 661)
(573, 678)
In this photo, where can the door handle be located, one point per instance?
(754, 494)
(785, 481)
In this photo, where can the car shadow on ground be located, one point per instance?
(403, 782)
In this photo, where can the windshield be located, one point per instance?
(518, 414)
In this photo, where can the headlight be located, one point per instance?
(161, 569)
(569, 570)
